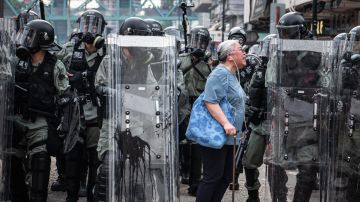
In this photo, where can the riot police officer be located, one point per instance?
(17, 182)
(237, 33)
(46, 80)
(82, 59)
(256, 115)
(131, 26)
(347, 175)
(155, 26)
(156, 30)
(298, 144)
(196, 71)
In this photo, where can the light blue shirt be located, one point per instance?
(222, 82)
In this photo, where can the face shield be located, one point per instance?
(239, 38)
(18, 36)
(28, 38)
(92, 24)
(27, 44)
(289, 32)
(199, 41)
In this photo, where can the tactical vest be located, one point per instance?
(257, 96)
(84, 76)
(22, 74)
(35, 94)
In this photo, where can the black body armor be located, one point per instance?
(35, 91)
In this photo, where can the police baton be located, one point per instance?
(185, 21)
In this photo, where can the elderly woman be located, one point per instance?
(221, 83)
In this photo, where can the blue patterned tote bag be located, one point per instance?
(203, 128)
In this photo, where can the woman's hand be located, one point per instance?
(218, 114)
(229, 129)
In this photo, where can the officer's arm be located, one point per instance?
(61, 81)
(65, 53)
(102, 77)
(186, 62)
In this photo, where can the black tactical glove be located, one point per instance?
(254, 115)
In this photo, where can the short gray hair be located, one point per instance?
(225, 48)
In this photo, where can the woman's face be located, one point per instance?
(238, 56)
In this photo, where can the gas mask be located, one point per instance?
(23, 53)
(97, 41)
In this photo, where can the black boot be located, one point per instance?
(59, 184)
(83, 173)
(305, 182)
(40, 171)
(253, 196)
(18, 189)
(252, 184)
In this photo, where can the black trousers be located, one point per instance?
(217, 173)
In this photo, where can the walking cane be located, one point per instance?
(234, 167)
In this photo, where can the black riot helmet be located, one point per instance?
(91, 26)
(173, 31)
(24, 17)
(237, 33)
(155, 26)
(292, 26)
(199, 40)
(135, 26)
(37, 35)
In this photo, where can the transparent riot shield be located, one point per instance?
(6, 105)
(297, 154)
(346, 137)
(143, 113)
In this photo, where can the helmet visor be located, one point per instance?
(137, 32)
(198, 41)
(289, 32)
(28, 38)
(238, 37)
(92, 24)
